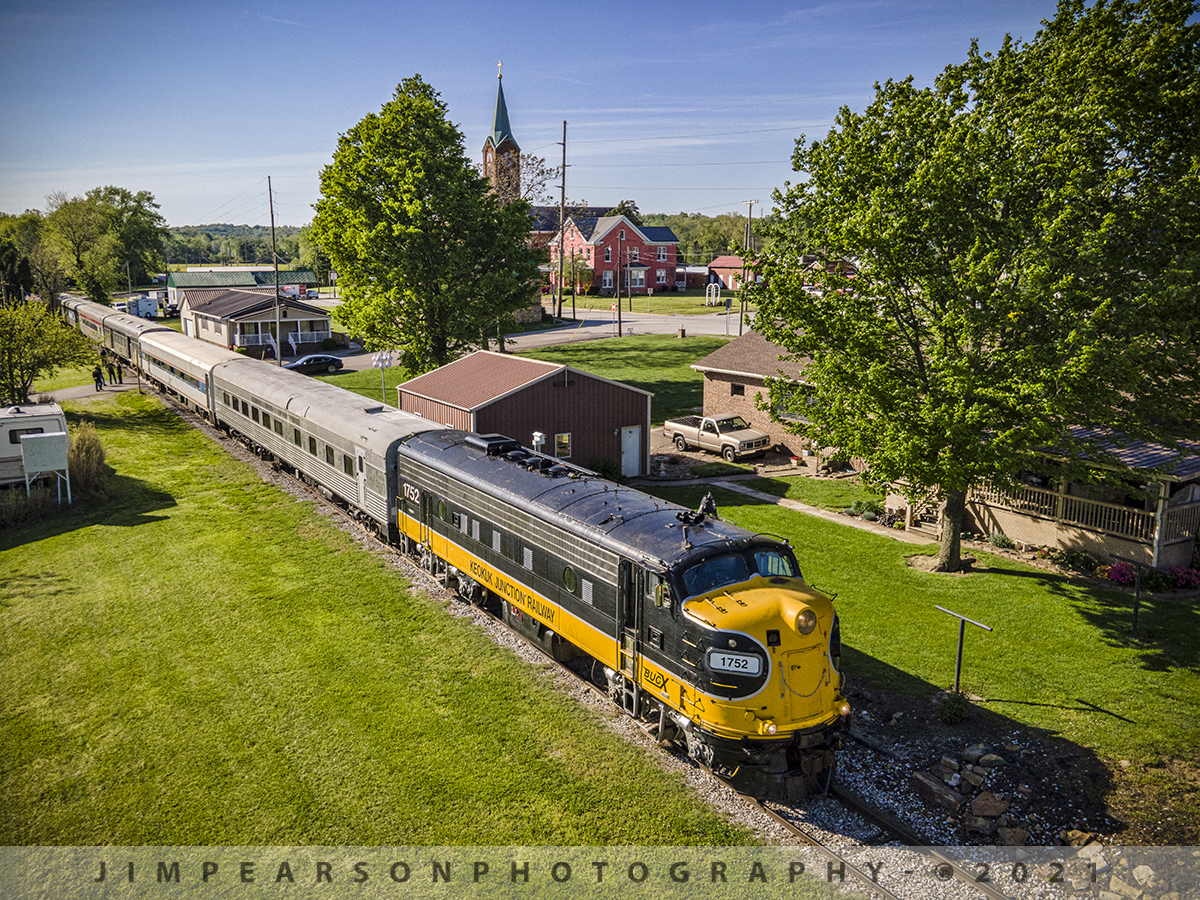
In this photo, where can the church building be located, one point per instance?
(501, 154)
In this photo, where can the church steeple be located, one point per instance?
(501, 153)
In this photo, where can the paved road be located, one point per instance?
(593, 325)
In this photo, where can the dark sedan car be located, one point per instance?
(317, 362)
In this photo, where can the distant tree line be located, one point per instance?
(228, 245)
(101, 242)
(703, 238)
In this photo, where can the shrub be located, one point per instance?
(1001, 541)
(869, 516)
(328, 344)
(85, 461)
(850, 511)
(1158, 582)
(954, 708)
(862, 507)
(16, 508)
(1186, 579)
(1122, 573)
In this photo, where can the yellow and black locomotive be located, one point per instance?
(705, 629)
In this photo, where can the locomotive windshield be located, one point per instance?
(732, 568)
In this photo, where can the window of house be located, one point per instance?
(636, 254)
(562, 445)
(608, 278)
(608, 254)
(662, 254)
(622, 234)
(661, 276)
(737, 390)
(637, 277)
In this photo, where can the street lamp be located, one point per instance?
(383, 361)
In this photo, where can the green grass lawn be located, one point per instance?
(660, 364)
(822, 493)
(666, 303)
(657, 363)
(198, 658)
(1057, 660)
(75, 376)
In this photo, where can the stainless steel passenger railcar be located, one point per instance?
(707, 629)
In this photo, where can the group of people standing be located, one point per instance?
(116, 374)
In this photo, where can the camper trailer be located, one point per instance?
(30, 418)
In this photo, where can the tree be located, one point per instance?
(29, 235)
(1023, 240)
(35, 342)
(106, 236)
(139, 230)
(429, 258)
(312, 256)
(629, 210)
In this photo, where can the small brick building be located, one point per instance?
(583, 418)
(735, 382)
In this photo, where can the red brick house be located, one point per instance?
(582, 418)
(640, 258)
(731, 271)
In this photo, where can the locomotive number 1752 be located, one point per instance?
(412, 494)
(742, 663)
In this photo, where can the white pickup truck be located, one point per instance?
(729, 435)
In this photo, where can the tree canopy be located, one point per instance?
(974, 268)
(34, 342)
(429, 259)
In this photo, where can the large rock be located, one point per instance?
(991, 760)
(1013, 837)
(988, 804)
(1117, 886)
(979, 825)
(974, 753)
(936, 793)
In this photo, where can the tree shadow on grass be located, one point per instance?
(1054, 782)
(1167, 625)
(123, 502)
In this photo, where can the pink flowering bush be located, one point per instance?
(1122, 573)
(1186, 579)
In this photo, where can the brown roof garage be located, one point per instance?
(590, 421)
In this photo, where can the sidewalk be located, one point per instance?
(89, 390)
(732, 484)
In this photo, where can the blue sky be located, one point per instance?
(678, 106)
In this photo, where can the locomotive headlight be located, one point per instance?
(806, 621)
(766, 726)
(844, 709)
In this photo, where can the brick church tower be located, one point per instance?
(501, 155)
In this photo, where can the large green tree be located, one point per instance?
(106, 238)
(428, 257)
(34, 342)
(1024, 244)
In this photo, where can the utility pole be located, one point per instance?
(275, 260)
(749, 248)
(619, 242)
(562, 224)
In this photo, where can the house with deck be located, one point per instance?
(248, 319)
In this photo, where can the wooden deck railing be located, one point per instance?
(1093, 514)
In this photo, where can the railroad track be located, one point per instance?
(942, 868)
